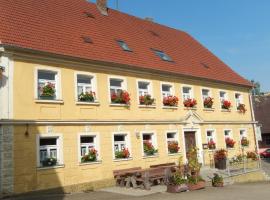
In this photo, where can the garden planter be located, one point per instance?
(198, 186)
(46, 97)
(217, 184)
(220, 164)
(177, 188)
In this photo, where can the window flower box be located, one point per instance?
(87, 97)
(122, 154)
(146, 100)
(173, 147)
(229, 142)
(122, 97)
(208, 102)
(170, 101)
(244, 142)
(47, 92)
(211, 144)
(190, 103)
(49, 162)
(149, 149)
(226, 105)
(90, 157)
(242, 108)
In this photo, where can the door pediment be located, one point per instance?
(192, 118)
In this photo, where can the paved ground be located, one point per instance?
(266, 166)
(250, 191)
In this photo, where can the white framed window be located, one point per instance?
(210, 135)
(222, 97)
(228, 134)
(187, 92)
(166, 89)
(144, 88)
(85, 83)
(88, 143)
(116, 85)
(47, 83)
(121, 145)
(206, 93)
(243, 133)
(49, 150)
(238, 99)
(172, 142)
(149, 138)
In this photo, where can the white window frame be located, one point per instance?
(209, 94)
(213, 135)
(225, 98)
(93, 84)
(149, 88)
(176, 138)
(123, 85)
(58, 87)
(240, 99)
(171, 89)
(191, 92)
(153, 140)
(59, 146)
(230, 133)
(96, 143)
(127, 141)
(245, 133)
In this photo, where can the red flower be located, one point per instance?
(208, 102)
(226, 104)
(190, 103)
(122, 97)
(242, 108)
(230, 142)
(211, 144)
(170, 101)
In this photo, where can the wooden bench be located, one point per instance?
(163, 165)
(120, 176)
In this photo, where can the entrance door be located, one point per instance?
(190, 140)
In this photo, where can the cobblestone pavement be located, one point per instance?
(266, 166)
(249, 191)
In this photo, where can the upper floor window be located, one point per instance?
(116, 85)
(47, 85)
(162, 55)
(123, 45)
(88, 148)
(145, 93)
(167, 90)
(222, 96)
(118, 95)
(205, 93)
(238, 99)
(187, 93)
(86, 88)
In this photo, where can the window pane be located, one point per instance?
(222, 94)
(83, 151)
(46, 75)
(205, 92)
(124, 45)
(116, 82)
(84, 79)
(147, 137)
(186, 90)
(209, 133)
(53, 153)
(87, 139)
(118, 138)
(170, 135)
(143, 85)
(166, 88)
(42, 154)
(47, 141)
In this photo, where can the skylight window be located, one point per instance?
(88, 14)
(162, 55)
(87, 39)
(123, 45)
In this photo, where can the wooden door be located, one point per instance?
(190, 140)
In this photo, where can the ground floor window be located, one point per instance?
(172, 142)
(149, 144)
(229, 139)
(243, 138)
(121, 146)
(88, 148)
(210, 134)
(49, 151)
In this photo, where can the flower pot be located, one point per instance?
(198, 186)
(177, 188)
(46, 97)
(220, 164)
(218, 184)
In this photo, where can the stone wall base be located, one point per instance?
(255, 176)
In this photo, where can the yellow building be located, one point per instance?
(80, 78)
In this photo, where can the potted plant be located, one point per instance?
(226, 104)
(208, 102)
(170, 101)
(122, 154)
(241, 108)
(217, 181)
(87, 97)
(252, 155)
(122, 97)
(90, 157)
(173, 147)
(47, 91)
(190, 103)
(177, 183)
(220, 158)
(244, 142)
(146, 100)
(211, 144)
(195, 182)
(49, 162)
(229, 142)
(149, 149)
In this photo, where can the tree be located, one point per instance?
(256, 90)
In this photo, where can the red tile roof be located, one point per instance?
(57, 26)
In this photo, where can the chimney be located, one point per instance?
(102, 7)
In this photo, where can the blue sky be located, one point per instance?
(237, 31)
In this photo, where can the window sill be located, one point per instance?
(146, 106)
(211, 150)
(90, 163)
(188, 108)
(170, 107)
(57, 101)
(228, 148)
(208, 109)
(118, 105)
(225, 110)
(122, 159)
(174, 154)
(153, 156)
(87, 103)
(52, 167)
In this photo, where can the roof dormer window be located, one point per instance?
(162, 55)
(123, 45)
